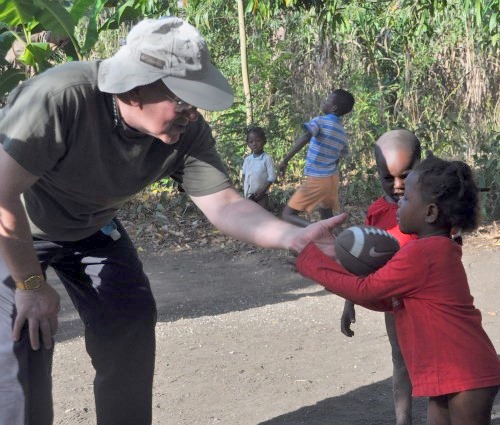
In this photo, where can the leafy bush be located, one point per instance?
(429, 67)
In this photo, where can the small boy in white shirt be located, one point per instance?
(258, 168)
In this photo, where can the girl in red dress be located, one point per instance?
(449, 356)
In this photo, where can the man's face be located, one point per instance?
(161, 114)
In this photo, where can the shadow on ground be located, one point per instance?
(338, 410)
(195, 284)
(217, 283)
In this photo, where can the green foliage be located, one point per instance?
(429, 66)
(36, 15)
(23, 18)
(487, 161)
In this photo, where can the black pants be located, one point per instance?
(105, 281)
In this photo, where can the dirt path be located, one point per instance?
(243, 340)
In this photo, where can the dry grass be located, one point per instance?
(179, 226)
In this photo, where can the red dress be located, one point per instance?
(383, 214)
(445, 347)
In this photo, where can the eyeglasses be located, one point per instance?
(180, 105)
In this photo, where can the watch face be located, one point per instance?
(32, 282)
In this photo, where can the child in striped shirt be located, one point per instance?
(327, 145)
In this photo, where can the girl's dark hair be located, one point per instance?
(450, 185)
(259, 131)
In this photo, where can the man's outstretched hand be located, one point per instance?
(320, 233)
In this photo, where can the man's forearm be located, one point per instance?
(248, 222)
(245, 220)
(16, 243)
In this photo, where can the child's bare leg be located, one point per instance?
(472, 407)
(438, 411)
(401, 384)
(325, 213)
(264, 202)
(292, 216)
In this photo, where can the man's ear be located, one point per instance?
(132, 97)
(432, 213)
(136, 97)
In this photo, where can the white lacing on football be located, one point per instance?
(359, 241)
(377, 231)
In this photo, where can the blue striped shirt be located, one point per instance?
(328, 144)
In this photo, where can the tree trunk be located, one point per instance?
(244, 65)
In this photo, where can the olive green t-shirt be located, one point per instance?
(60, 127)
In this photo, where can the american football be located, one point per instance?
(363, 249)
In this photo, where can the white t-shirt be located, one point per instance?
(258, 171)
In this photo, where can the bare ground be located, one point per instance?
(242, 339)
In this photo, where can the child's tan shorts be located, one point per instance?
(322, 191)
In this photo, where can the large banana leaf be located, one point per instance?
(36, 55)
(54, 17)
(10, 79)
(92, 33)
(6, 39)
(17, 12)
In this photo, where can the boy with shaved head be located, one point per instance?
(396, 153)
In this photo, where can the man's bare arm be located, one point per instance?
(16, 244)
(40, 306)
(247, 221)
